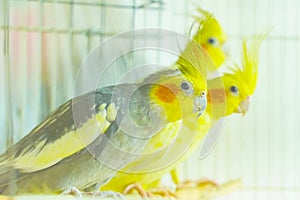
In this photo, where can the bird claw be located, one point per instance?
(139, 188)
(72, 191)
(163, 192)
(206, 189)
(148, 194)
(197, 183)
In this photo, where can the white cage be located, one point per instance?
(260, 148)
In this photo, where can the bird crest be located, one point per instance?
(248, 73)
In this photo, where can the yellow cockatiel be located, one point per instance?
(211, 36)
(227, 94)
(86, 140)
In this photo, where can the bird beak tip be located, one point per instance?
(244, 106)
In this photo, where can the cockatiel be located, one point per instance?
(211, 36)
(227, 94)
(89, 138)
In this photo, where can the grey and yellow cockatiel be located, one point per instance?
(89, 138)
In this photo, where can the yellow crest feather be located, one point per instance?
(207, 32)
(250, 58)
(206, 24)
(193, 62)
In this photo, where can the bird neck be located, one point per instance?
(216, 103)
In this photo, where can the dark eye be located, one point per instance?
(212, 41)
(234, 89)
(185, 86)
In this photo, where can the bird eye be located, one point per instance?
(234, 89)
(203, 94)
(212, 41)
(185, 86)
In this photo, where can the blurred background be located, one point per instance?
(43, 43)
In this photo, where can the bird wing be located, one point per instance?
(67, 130)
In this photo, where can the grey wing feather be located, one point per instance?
(55, 126)
(61, 120)
(52, 128)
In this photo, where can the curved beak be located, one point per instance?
(244, 106)
(200, 103)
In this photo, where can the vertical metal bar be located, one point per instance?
(7, 77)
(21, 73)
(186, 166)
(2, 86)
(8, 82)
(252, 122)
(270, 104)
(159, 23)
(101, 23)
(134, 7)
(132, 61)
(88, 43)
(72, 68)
(282, 99)
(297, 109)
(103, 20)
(54, 68)
(186, 19)
(43, 87)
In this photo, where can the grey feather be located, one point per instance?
(96, 163)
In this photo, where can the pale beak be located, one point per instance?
(244, 106)
(226, 49)
(200, 103)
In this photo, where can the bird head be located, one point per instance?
(179, 95)
(210, 36)
(238, 85)
(183, 91)
(231, 97)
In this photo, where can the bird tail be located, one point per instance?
(8, 175)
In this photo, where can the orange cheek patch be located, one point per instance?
(216, 96)
(167, 93)
(204, 46)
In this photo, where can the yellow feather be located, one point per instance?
(210, 35)
(169, 147)
(248, 73)
(148, 168)
(148, 173)
(71, 142)
(251, 58)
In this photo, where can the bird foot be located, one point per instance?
(72, 191)
(148, 194)
(164, 192)
(139, 188)
(198, 183)
(205, 189)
